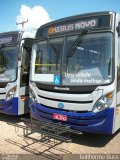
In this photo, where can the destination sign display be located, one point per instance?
(5, 40)
(73, 26)
(79, 23)
(8, 38)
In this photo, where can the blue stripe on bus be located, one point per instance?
(101, 122)
(9, 107)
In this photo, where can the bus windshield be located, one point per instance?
(88, 62)
(8, 63)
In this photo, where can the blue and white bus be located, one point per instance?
(75, 72)
(15, 56)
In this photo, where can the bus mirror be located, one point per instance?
(118, 29)
(118, 71)
(19, 54)
(28, 49)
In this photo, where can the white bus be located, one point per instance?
(75, 72)
(15, 56)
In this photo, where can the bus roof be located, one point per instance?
(79, 15)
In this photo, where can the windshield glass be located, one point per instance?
(8, 63)
(47, 60)
(87, 62)
(90, 62)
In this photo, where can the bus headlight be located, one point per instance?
(32, 95)
(103, 103)
(11, 93)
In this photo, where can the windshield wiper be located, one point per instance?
(52, 46)
(74, 46)
(109, 66)
(54, 50)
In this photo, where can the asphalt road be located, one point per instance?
(13, 145)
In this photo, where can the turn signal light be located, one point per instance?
(24, 98)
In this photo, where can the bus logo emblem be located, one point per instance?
(57, 80)
(61, 105)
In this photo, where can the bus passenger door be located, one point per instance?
(24, 80)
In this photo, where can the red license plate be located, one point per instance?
(59, 117)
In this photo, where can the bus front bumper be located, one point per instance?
(9, 107)
(101, 122)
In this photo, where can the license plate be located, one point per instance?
(59, 117)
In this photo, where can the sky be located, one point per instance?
(38, 12)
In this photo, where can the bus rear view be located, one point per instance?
(75, 72)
